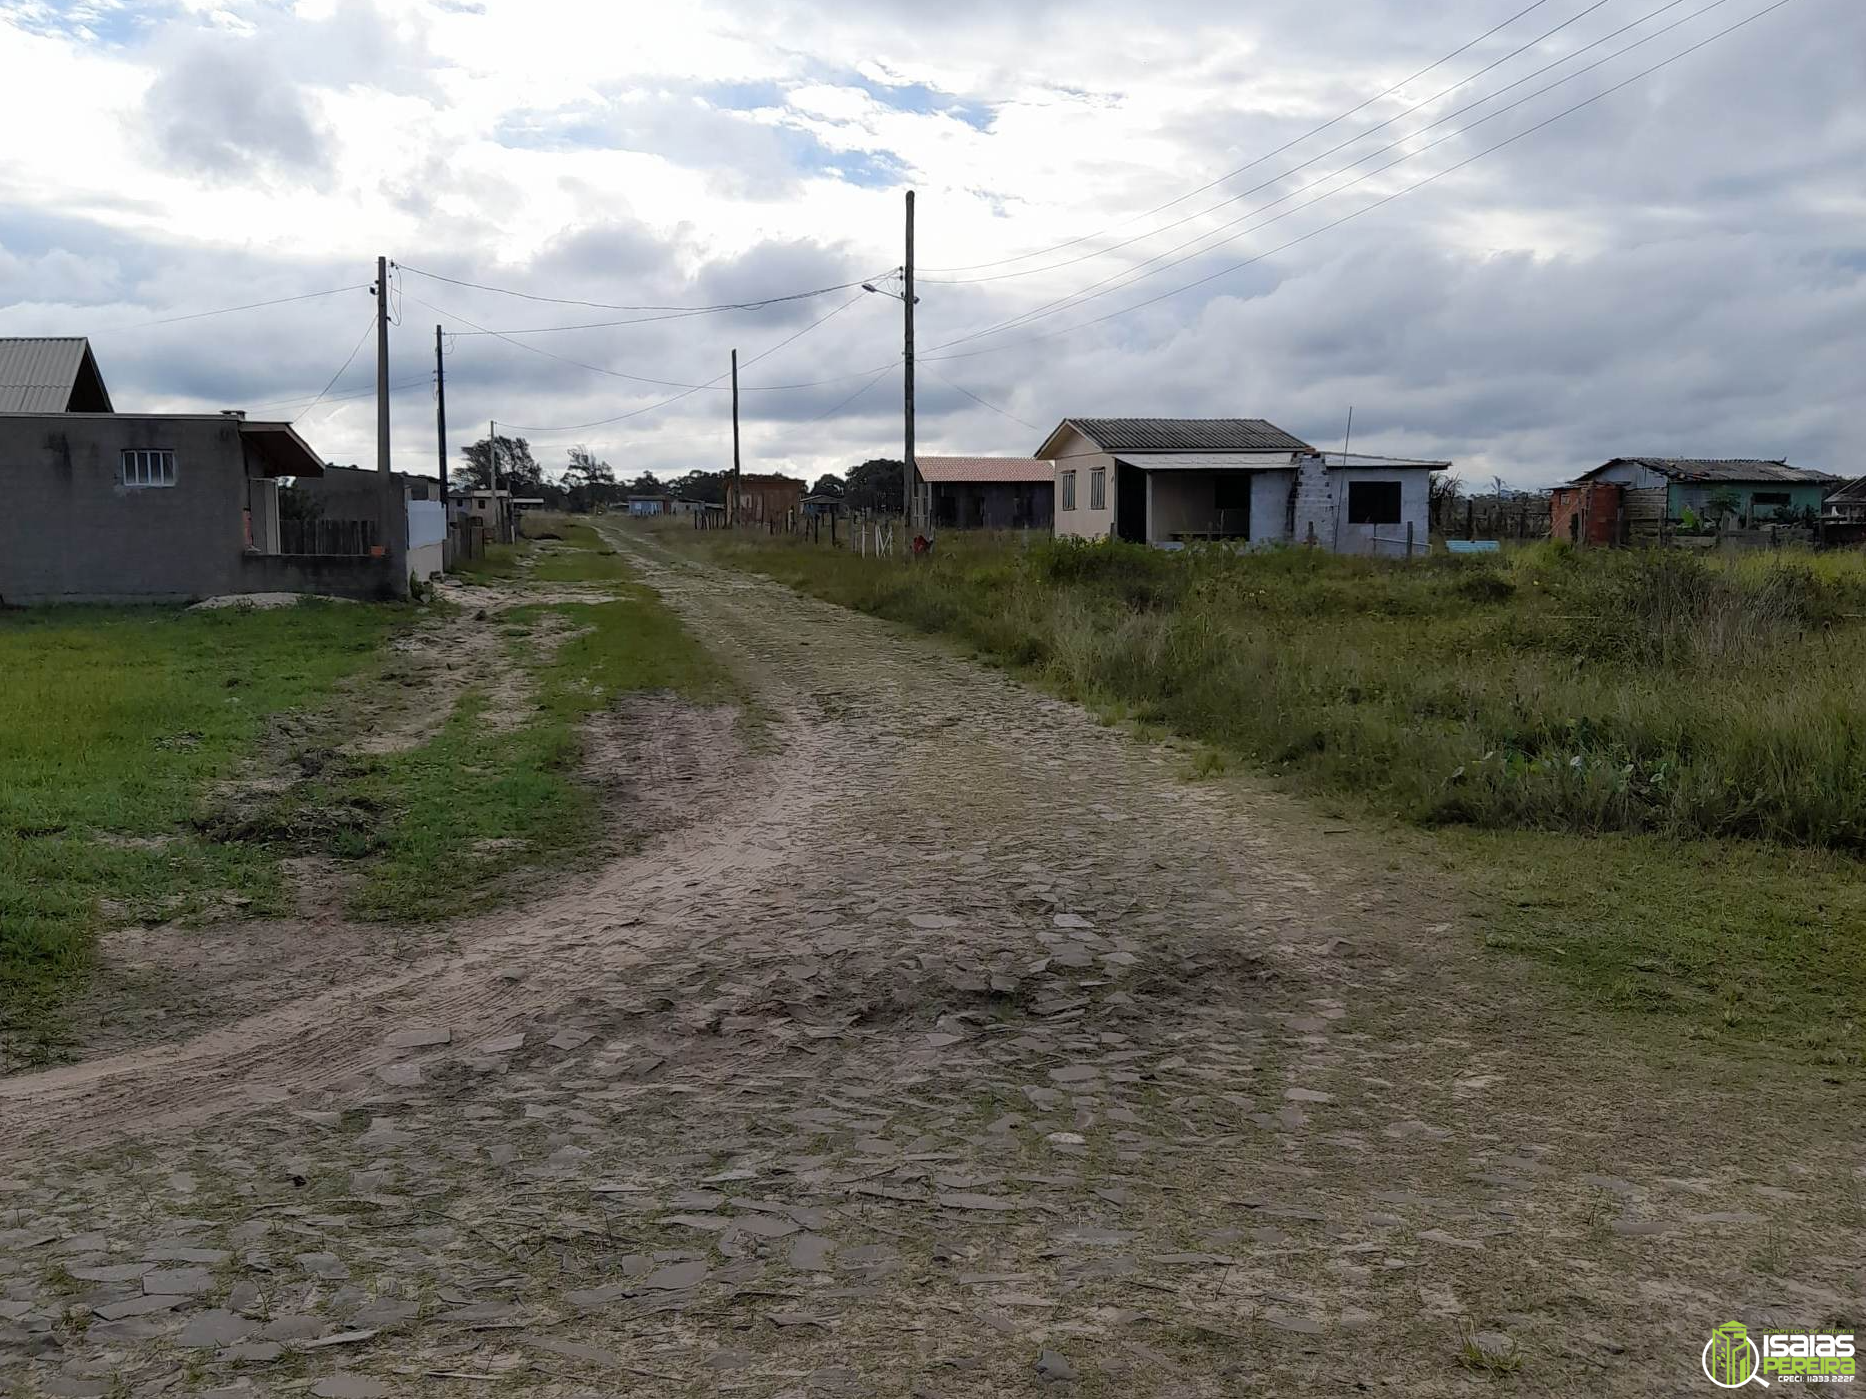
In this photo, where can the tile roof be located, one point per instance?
(984, 468)
(1187, 435)
(42, 374)
(1721, 469)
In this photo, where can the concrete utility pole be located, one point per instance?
(910, 473)
(440, 414)
(394, 514)
(492, 476)
(382, 365)
(732, 509)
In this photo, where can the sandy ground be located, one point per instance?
(951, 1044)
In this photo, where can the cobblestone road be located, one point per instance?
(955, 1046)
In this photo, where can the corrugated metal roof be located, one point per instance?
(984, 468)
(1735, 469)
(1188, 435)
(37, 372)
(1207, 461)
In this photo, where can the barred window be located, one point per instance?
(149, 467)
(1069, 490)
(1098, 489)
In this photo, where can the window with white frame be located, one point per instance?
(1069, 490)
(148, 466)
(1098, 488)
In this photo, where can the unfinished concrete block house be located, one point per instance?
(105, 506)
(1176, 481)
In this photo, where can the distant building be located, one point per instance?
(651, 505)
(766, 498)
(103, 506)
(989, 492)
(1175, 481)
(1632, 497)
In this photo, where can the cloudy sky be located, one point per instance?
(1123, 209)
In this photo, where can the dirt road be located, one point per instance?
(946, 1043)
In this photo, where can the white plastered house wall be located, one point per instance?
(1076, 517)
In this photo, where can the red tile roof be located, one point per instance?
(985, 468)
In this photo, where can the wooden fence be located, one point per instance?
(342, 537)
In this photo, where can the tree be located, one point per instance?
(645, 484)
(875, 485)
(829, 483)
(517, 470)
(708, 486)
(589, 482)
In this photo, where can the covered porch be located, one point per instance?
(1179, 498)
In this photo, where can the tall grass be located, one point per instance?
(1544, 687)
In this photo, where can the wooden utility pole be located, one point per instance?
(732, 508)
(910, 473)
(440, 414)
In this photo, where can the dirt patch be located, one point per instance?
(661, 762)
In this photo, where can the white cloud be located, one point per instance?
(1678, 267)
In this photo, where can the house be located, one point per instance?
(988, 492)
(651, 505)
(1173, 481)
(1629, 497)
(766, 499)
(105, 506)
(819, 505)
(493, 511)
(1843, 514)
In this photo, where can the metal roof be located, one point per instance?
(50, 374)
(1738, 469)
(1187, 435)
(1339, 459)
(984, 468)
(1207, 461)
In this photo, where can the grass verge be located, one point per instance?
(1648, 771)
(460, 811)
(114, 723)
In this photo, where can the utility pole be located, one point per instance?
(492, 475)
(382, 365)
(440, 414)
(732, 511)
(393, 513)
(910, 473)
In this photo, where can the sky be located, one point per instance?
(1185, 209)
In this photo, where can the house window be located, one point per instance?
(148, 467)
(1775, 500)
(1098, 488)
(1069, 490)
(1373, 502)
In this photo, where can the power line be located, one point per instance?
(1002, 413)
(1338, 146)
(354, 351)
(1379, 203)
(1083, 295)
(690, 391)
(637, 378)
(340, 397)
(1268, 155)
(830, 412)
(226, 310)
(611, 306)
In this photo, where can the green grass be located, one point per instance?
(442, 804)
(1709, 717)
(551, 548)
(113, 724)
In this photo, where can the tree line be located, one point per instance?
(585, 483)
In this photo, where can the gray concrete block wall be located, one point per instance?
(71, 531)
